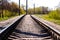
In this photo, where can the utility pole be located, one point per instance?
(19, 7)
(2, 9)
(26, 6)
(23, 7)
(34, 8)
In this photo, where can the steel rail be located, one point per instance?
(55, 34)
(4, 33)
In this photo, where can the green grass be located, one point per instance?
(5, 18)
(7, 14)
(46, 17)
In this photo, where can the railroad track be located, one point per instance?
(28, 28)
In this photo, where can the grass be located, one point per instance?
(5, 18)
(8, 14)
(46, 17)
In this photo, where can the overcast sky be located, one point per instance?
(46, 3)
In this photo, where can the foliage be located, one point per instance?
(54, 14)
(46, 17)
(10, 10)
(38, 10)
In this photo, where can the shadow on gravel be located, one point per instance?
(27, 33)
(2, 28)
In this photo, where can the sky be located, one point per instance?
(38, 3)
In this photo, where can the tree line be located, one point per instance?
(10, 9)
(38, 10)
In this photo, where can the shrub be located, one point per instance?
(54, 14)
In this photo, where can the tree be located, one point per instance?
(38, 10)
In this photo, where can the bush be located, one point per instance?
(54, 14)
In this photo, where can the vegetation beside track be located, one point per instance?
(43, 12)
(49, 18)
(9, 10)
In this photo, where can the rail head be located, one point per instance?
(47, 26)
(9, 28)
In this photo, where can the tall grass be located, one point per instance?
(54, 14)
(7, 14)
